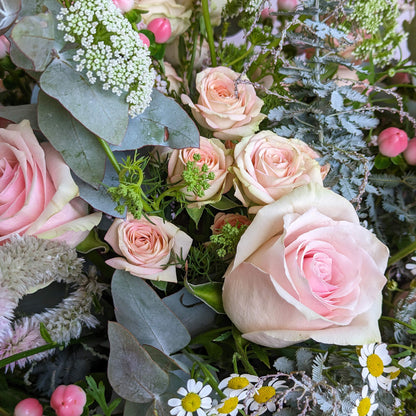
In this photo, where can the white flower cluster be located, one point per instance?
(110, 50)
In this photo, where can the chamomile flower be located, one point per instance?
(374, 358)
(412, 266)
(230, 405)
(195, 399)
(404, 362)
(262, 398)
(235, 383)
(366, 405)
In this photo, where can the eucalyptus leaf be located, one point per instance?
(102, 112)
(93, 242)
(78, 146)
(163, 123)
(225, 203)
(35, 37)
(141, 311)
(32, 7)
(131, 371)
(195, 214)
(19, 58)
(9, 10)
(210, 293)
(17, 113)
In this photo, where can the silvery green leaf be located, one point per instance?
(102, 112)
(131, 371)
(337, 101)
(17, 113)
(9, 10)
(140, 310)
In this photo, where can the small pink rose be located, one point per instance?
(28, 407)
(235, 220)
(392, 141)
(410, 152)
(213, 154)
(161, 28)
(305, 268)
(68, 400)
(148, 247)
(267, 167)
(37, 193)
(124, 5)
(231, 110)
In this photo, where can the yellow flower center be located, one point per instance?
(191, 402)
(264, 394)
(394, 374)
(229, 405)
(237, 383)
(364, 406)
(375, 365)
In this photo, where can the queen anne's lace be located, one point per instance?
(110, 51)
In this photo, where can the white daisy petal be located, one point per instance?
(205, 391)
(174, 402)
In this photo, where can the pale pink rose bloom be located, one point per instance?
(37, 192)
(147, 246)
(267, 167)
(305, 268)
(124, 5)
(68, 400)
(217, 158)
(231, 111)
(221, 218)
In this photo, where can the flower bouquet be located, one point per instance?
(207, 207)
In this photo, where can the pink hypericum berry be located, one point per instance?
(144, 39)
(161, 28)
(392, 141)
(68, 400)
(288, 5)
(124, 5)
(265, 13)
(4, 46)
(28, 407)
(410, 152)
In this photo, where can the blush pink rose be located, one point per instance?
(147, 246)
(221, 218)
(37, 192)
(267, 167)
(230, 110)
(305, 268)
(216, 157)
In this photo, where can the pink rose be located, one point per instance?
(235, 220)
(305, 268)
(230, 110)
(268, 167)
(148, 246)
(37, 192)
(217, 159)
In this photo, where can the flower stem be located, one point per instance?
(109, 154)
(396, 321)
(28, 353)
(404, 252)
(210, 33)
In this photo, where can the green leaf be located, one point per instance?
(162, 360)
(17, 113)
(32, 7)
(93, 242)
(78, 146)
(35, 37)
(195, 214)
(19, 58)
(163, 123)
(225, 203)
(382, 162)
(45, 334)
(141, 311)
(101, 112)
(210, 293)
(9, 10)
(132, 373)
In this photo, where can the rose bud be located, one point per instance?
(124, 5)
(392, 141)
(288, 5)
(68, 400)
(410, 152)
(28, 407)
(144, 39)
(161, 28)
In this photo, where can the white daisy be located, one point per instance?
(404, 362)
(195, 399)
(230, 405)
(411, 266)
(261, 400)
(365, 406)
(373, 358)
(235, 383)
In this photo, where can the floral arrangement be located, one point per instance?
(207, 207)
